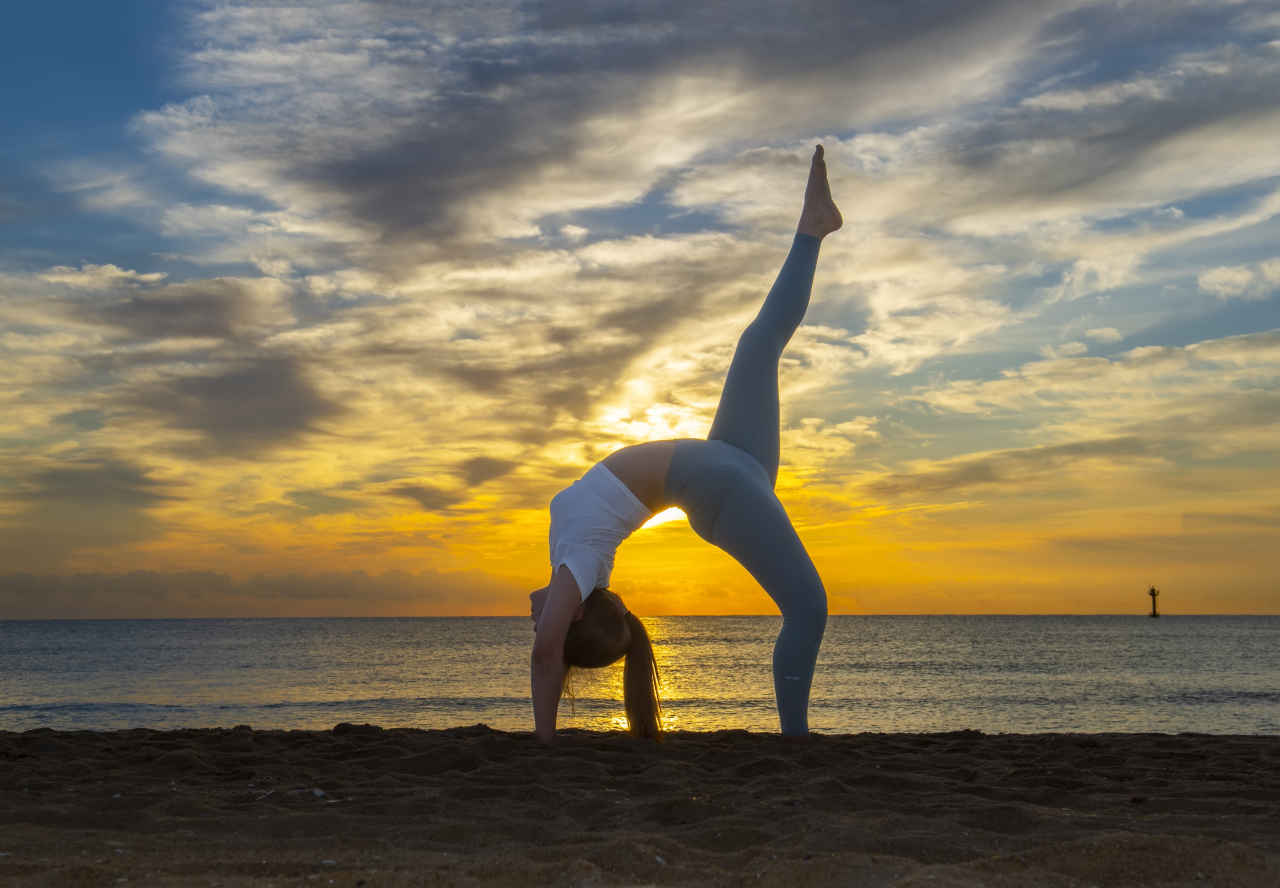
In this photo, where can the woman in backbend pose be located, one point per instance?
(725, 485)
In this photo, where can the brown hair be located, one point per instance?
(606, 633)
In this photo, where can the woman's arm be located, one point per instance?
(546, 665)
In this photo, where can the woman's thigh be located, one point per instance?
(748, 415)
(754, 528)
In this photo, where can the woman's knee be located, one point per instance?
(807, 611)
(762, 342)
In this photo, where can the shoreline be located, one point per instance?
(365, 806)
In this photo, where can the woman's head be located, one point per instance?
(606, 633)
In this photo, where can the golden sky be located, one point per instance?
(325, 327)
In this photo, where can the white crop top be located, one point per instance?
(589, 520)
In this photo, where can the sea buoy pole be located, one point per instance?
(1153, 592)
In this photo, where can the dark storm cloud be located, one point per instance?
(263, 404)
(1009, 467)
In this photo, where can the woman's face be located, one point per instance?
(537, 601)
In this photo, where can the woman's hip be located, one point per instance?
(704, 475)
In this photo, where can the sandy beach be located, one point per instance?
(363, 806)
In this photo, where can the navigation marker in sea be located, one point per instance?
(1153, 592)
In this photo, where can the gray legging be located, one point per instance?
(725, 486)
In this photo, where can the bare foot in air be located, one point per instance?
(820, 216)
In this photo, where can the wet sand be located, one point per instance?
(362, 806)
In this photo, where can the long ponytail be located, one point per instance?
(640, 684)
(606, 633)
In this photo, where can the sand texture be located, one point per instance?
(360, 806)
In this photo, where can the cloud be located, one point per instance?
(85, 420)
(483, 468)
(1063, 350)
(815, 444)
(1228, 522)
(95, 481)
(1096, 275)
(1012, 467)
(1151, 90)
(1207, 400)
(243, 410)
(78, 504)
(187, 593)
(1242, 281)
(1143, 151)
(223, 308)
(1104, 334)
(318, 502)
(432, 499)
(101, 277)
(904, 338)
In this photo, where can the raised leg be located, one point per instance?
(748, 414)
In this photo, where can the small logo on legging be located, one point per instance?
(791, 677)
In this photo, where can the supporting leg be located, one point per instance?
(754, 528)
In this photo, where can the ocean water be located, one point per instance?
(937, 673)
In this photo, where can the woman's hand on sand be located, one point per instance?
(552, 613)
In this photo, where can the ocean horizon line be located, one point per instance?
(642, 616)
